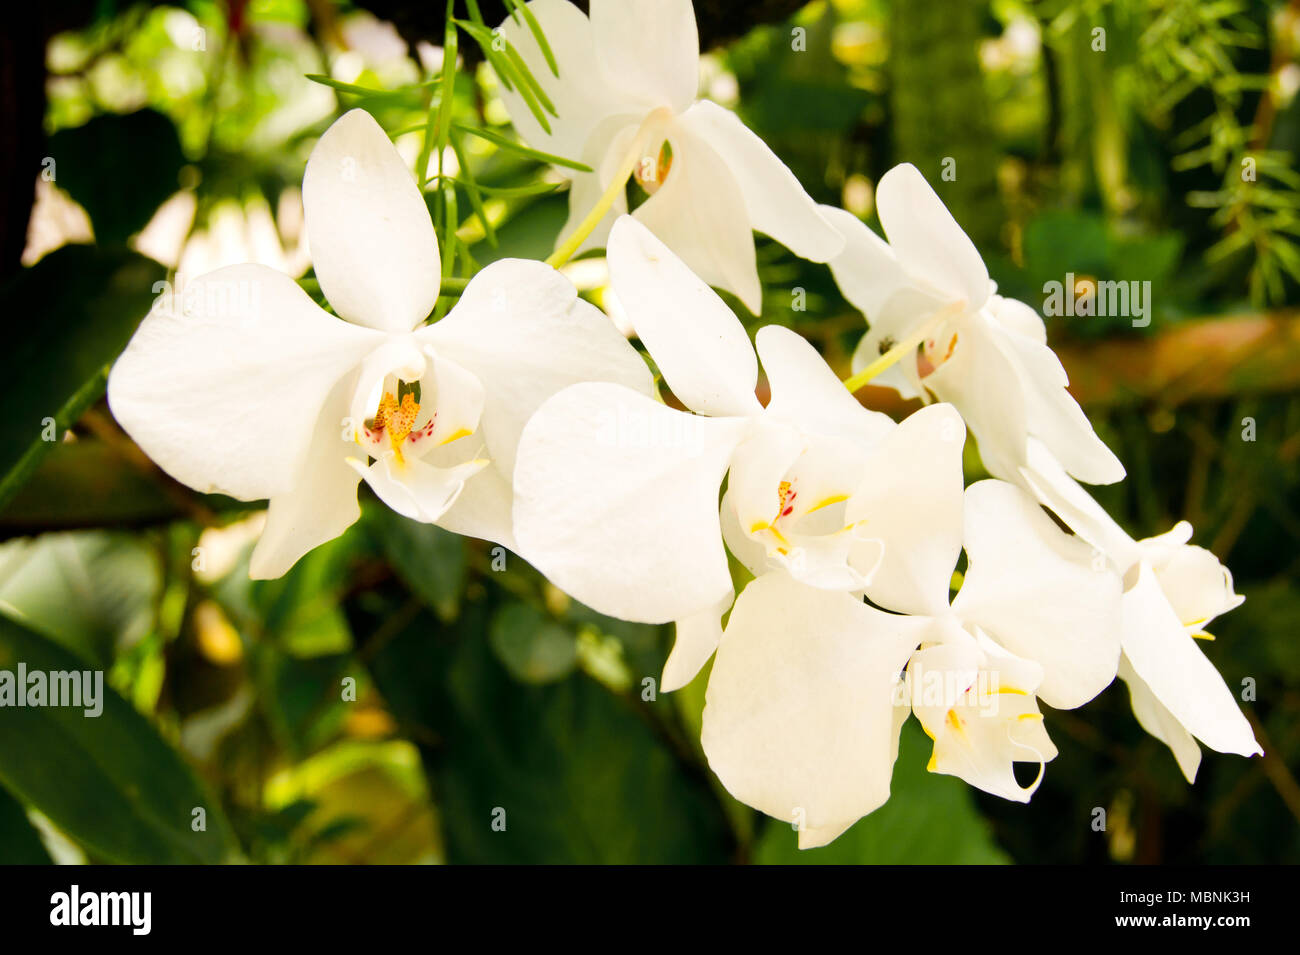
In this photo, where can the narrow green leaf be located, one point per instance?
(471, 187)
(447, 88)
(356, 90)
(536, 29)
(513, 73)
(498, 140)
(517, 192)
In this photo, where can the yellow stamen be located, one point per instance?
(1202, 635)
(397, 420)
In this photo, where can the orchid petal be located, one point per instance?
(616, 501)
(457, 402)
(778, 205)
(866, 270)
(1153, 717)
(980, 382)
(1018, 317)
(700, 346)
(929, 243)
(1179, 675)
(372, 241)
(1035, 590)
(1054, 417)
(323, 503)
(1198, 586)
(911, 500)
(581, 102)
(416, 489)
(697, 636)
(648, 49)
(808, 395)
(992, 722)
(798, 716)
(1044, 476)
(224, 388)
(700, 213)
(757, 469)
(522, 331)
(483, 508)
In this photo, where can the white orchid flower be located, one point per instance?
(978, 703)
(246, 387)
(626, 99)
(1173, 589)
(616, 494)
(986, 354)
(801, 719)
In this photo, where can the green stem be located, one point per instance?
(452, 285)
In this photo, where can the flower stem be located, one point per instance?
(451, 286)
(652, 126)
(903, 348)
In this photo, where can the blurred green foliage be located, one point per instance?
(406, 695)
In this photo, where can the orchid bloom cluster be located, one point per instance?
(525, 418)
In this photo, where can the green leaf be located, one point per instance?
(930, 819)
(109, 782)
(501, 142)
(92, 592)
(447, 95)
(431, 561)
(519, 192)
(89, 302)
(120, 168)
(88, 484)
(580, 774)
(472, 189)
(516, 8)
(513, 72)
(355, 90)
(20, 843)
(533, 648)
